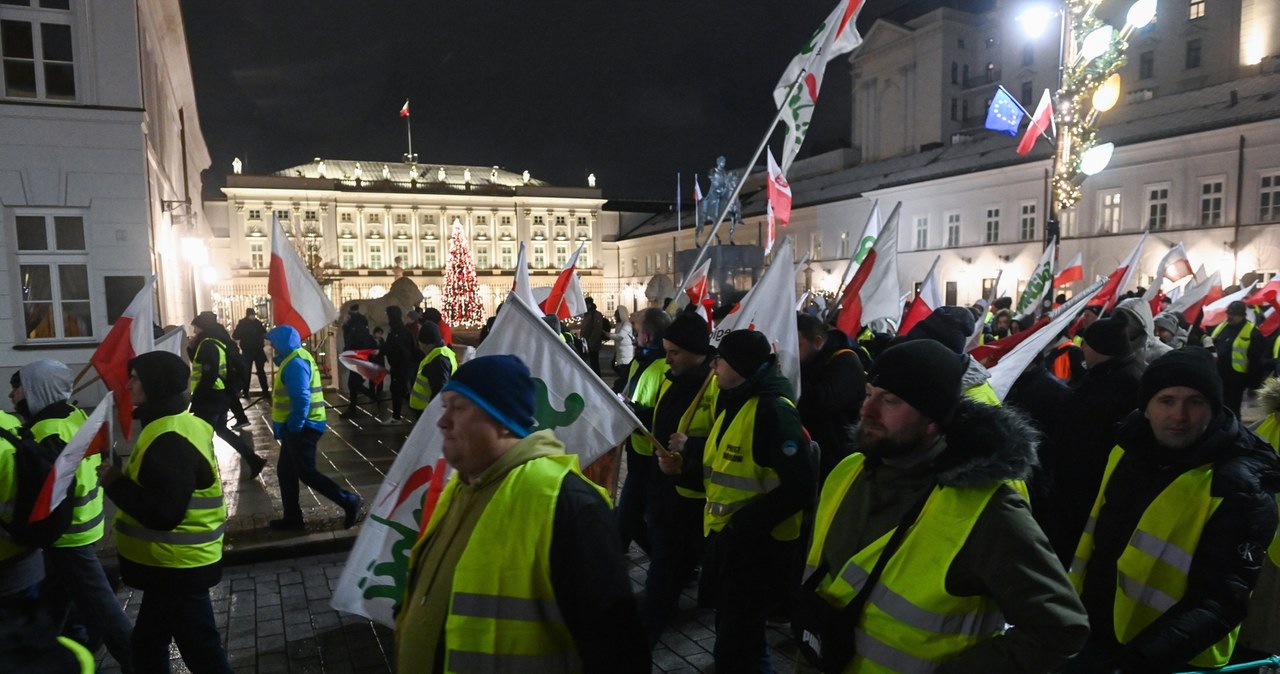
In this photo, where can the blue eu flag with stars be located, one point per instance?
(1004, 115)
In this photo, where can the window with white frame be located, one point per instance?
(431, 256)
(1067, 222)
(1211, 190)
(815, 245)
(482, 256)
(1027, 221)
(1196, 9)
(1157, 206)
(506, 220)
(1109, 216)
(257, 255)
(282, 215)
(562, 254)
(255, 214)
(344, 217)
(1269, 197)
(403, 257)
(584, 260)
(992, 225)
(375, 256)
(507, 252)
(347, 255)
(953, 229)
(922, 232)
(37, 50)
(402, 218)
(309, 215)
(539, 256)
(53, 275)
(374, 217)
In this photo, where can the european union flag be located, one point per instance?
(1004, 115)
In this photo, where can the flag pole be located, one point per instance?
(408, 125)
(728, 204)
(677, 204)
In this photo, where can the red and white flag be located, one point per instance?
(404, 109)
(1009, 365)
(566, 299)
(520, 286)
(1118, 280)
(837, 35)
(779, 209)
(767, 308)
(928, 299)
(130, 336)
(1216, 312)
(697, 190)
(1197, 294)
(357, 360)
(296, 297)
(93, 437)
(695, 288)
(1174, 266)
(1074, 271)
(1041, 123)
(874, 290)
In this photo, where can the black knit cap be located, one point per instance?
(924, 373)
(500, 385)
(746, 351)
(1108, 337)
(1237, 308)
(162, 374)
(689, 332)
(1190, 367)
(428, 333)
(949, 326)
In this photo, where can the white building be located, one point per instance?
(100, 160)
(370, 222)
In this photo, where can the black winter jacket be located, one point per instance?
(832, 387)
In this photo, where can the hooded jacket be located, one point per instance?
(1006, 557)
(399, 348)
(45, 382)
(1146, 347)
(296, 378)
(1227, 560)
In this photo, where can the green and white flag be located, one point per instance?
(1041, 281)
(586, 415)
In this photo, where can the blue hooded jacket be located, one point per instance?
(296, 378)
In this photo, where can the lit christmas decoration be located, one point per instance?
(461, 294)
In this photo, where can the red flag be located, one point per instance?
(565, 299)
(1074, 271)
(1273, 319)
(130, 336)
(296, 297)
(93, 437)
(1215, 311)
(873, 292)
(1196, 295)
(1266, 293)
(928, 299)
(404, 109)
(990, 353)
(1118, 279)
(779, 209)
(1041, 122)
(695, 287)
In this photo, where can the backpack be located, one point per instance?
(31, 467)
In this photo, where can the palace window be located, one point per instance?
(1196, 9)
(1109, 216)
(922, 232)
(36, 47)
(953, 229)
(255, 214)
(1211, 190)
(1269, 198)
(430, 258)
(375, 256)
(257, 255)
(347, 256)
(53, 271)
(1027, 221)
(309, 215)
(1158, 206)
(993, 225)
(508, 256)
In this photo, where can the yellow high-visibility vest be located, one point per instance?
(732, 477)
(87, 519)
(281, 405)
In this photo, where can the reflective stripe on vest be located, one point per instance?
(197, 540)
(422, 393)
(1151, 573)
(1239, 346)
(197, 371)
(695, 422)
(509, 622)
(911, 623)
(735, 478)
(281, 405)
(87, 518)
(645, 394)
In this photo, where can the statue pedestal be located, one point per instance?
(734, 269)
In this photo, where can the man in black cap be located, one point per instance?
(1179, 529)
(252, 336)
(761, 480)
(681, 420)
(832, 386)
(1240, 349)
(928, 486)
(510, 573)
(951, 327)
(1081, 433)
(644, 379)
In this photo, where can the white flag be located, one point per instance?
(1174, 266)
(521, 285)
(586, 415)
(767, 308)
(1012, 364)
(87, 440)
(1041, 281)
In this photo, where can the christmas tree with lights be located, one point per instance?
(461, 295)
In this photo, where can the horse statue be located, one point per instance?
(723, 184)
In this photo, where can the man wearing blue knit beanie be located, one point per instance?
(511, 563)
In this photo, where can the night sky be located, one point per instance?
(632, 91)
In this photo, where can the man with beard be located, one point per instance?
(1179, 530)
(921, 551)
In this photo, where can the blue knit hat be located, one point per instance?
(502, 386)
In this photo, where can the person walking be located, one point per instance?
(644, 379)
(359, 339)
(1241, 349)
(169, 520)
(212, 386)
(402, 357)
(252, 334)
(435, 369)
(509, 573)
(624, 346)
(298, 417)
(592, 331)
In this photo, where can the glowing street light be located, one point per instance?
(1096, 158)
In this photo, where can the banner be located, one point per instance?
(767, 308)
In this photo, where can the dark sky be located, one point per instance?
(633, 91)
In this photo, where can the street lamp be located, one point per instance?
(1089, 58)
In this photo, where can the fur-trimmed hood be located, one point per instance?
(1269, 396)
(985, 444)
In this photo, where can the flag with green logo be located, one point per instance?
(1041, 281)
(570, 400)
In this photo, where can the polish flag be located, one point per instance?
(874, 291)
(566, 299)
(1268, 294)
(520, 286)
(1197, 294)
(357, 360)
(130, 336)
(1174, 266)
(928, 299)
(404, 109)
(1216, 312)
(1074, 271)
(697, 190)
(296, 297)
(696, 285)
(1041, 123)
(1118, 279)
(93, 437)
(779, 208)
